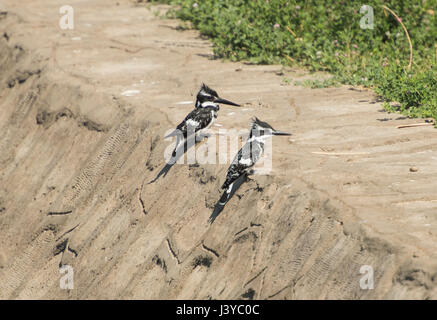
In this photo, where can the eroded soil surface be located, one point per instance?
(83, 115)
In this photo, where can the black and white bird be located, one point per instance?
(190, 129)
(201, 118)
(243, 162)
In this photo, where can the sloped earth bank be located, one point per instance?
(76, 155)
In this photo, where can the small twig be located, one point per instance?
(289, 58)
(56, 213)
(291, 31)
(406, 33)
(415, 125)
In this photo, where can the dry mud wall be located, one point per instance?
(73, 191)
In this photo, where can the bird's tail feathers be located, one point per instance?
(172, 134)
(220, 204)
(226, 196)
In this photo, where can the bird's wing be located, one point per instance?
(246, 157)
(196, 120)
(243, 160)
(256, 152)
(199, 119)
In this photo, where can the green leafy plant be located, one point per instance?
(326, 36)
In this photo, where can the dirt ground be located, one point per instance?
(83, 115)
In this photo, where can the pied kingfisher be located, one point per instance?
(202, 117)
(245, 159)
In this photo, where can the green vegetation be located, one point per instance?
(326, 36)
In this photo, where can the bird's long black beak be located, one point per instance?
(281, 133)
(224, 101)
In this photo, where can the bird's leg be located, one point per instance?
(251, 172)
(201, 135)
(259, 171)
(198, 137)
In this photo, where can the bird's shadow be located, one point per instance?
(180, 151)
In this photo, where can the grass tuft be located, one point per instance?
(397, 58)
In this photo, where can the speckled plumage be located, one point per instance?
(198, 119)
(244, 160)
(202, 117)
